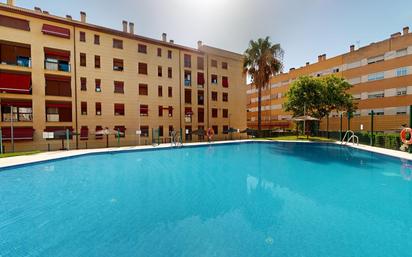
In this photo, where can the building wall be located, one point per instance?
(132, 120)
(378, 84)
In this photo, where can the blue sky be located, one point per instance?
(304, 28)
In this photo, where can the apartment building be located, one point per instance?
(59, 74)
(381, 75)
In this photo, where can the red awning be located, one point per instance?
(15, 83)
(188, 111)
(55, 31)
(200, 78)
(57, 78)
(84, 133)
(225, 82)
(5, 102)
(19, 133)
(99, 128)
(59, 105)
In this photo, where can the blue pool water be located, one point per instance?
(250, 199)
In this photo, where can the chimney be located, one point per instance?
(395, 35)
(352, 48)
(320, 58)
(10, 2)
(291, 69)
(37, 9)
(171, 41)
(45, 12)
(405, 31)
(307, 63)
(324, 57)
(83, 17)
(164, 37)
(124, 26)
(69, 17)
(199, 44)
(131, 28)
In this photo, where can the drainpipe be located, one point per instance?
(75, 88)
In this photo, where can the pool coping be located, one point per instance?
(10, 162)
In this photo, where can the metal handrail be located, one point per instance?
(352, 137)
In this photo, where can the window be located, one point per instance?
(401, 91)
(170, 130)
(225, 129)
(160, 111)
(214, 96)
(188, 78)
(159, 52)
(144, 110)
(335, 70)
(170, 111)
(376, 76)
(119, 109)
(99, 136)
(97, 85)
(170, 92)
(376, 59)
(82, 36)
(159, 71)
(160, 131)
(83, 84)
(214, 63)
(377, 112)
(200, 63)
(401, 52)
(224, 65)
(214, 79)
(402, 110)
(117, 43)
(225, 82)
(225, 97)
(143, 89)
(188, 96)
(169, 72)
(121, 130)
(118, 64)
(119, 87)
(187, 61)
(98, 107)
(83, 59)
(402, 72)
(142, 68)
(145, 131)
(97, 61)
(142, 48)
(58, 85)
(200, 79)
(169, 54)
(356, 97)
(96, 39)
(159, 91)
(214, 127)
(20, 113)
(214, 113)
(83, 108)
(200, 98)
(200, 115)
(225, 113)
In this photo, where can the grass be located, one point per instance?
(300, 138)
(18, 154)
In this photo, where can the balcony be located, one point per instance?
(56, 65)
(188, 82)
(15, 54)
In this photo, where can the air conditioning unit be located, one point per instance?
(98, 89)
(98, 113)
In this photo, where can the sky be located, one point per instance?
(304, 28)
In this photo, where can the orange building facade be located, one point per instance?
(381, 75)
(59, 74)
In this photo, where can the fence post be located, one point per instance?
(372, 115)
(1, 142)
(349, 120)
(340, 131)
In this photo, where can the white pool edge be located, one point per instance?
(55, 155)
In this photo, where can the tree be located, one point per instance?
(262, 60)
(319, 96)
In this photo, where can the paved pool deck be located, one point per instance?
(47, 156)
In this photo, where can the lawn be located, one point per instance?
(300, 138)
(18, 154)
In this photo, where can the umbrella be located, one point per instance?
(231, 130)
(108, 132)
(304, 118)
(199, 132)
(248, 131)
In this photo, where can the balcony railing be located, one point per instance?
(20, 61)
(188, 82)
(56, 66)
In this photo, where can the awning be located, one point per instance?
(57, 54)
(15, 83)
(188, 111)
(200, 78)
(57, 78)
(15, 103)
(98, 129)
(84, 133)
(59, 105)
(19, 133)
(55, 31)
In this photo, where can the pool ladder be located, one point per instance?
(176, 139)
(350, 136)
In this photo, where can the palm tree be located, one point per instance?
(262, 60)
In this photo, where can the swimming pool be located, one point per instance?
(247, 199)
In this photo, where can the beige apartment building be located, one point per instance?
(59, 74)
(381, 75)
